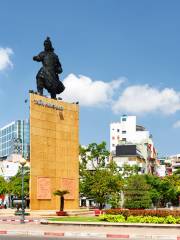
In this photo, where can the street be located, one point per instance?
(39, 231)
(62, 238)
(37, 238)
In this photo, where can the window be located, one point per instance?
(124, 139)
(117, 130)
(123, 132)
(123, 119)
(113, 145)
(113, 138)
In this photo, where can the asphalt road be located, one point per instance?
(62, 238)
(47, 238)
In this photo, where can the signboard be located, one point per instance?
(43, 188)
(69, 184)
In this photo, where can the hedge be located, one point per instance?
(141, 212)
(140, 219)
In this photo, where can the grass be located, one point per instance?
(76, 219)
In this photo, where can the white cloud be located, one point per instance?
(139, 99)
(135, 99)
(176, 124)
(88, 92)
(5, 61)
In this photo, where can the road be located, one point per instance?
(83, 232)
(36, 238)
(42, 238)
(62, 238)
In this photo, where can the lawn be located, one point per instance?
(76, 219)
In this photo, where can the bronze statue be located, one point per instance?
(47, 77)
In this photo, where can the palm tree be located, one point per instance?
(61, 195)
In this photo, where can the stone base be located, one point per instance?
(54, 153)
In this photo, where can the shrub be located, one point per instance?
(141, 212)
(140, 219)
(170, 219)
(112, 218)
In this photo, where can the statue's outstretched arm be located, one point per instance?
(38, 58)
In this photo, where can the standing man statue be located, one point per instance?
(47, 77)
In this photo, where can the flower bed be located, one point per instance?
(141, 212)
(140, 219)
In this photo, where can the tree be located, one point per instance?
(15, 183)
(61, 195)
(154, 183)
(101, 182)
(129, 170)
(170, 189)
(136, 193)
(95, 154)
(3, 186)
(164, 190)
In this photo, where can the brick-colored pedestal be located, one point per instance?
(54, 153)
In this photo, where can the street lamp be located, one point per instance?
(22, 162)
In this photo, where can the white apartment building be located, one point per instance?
(127, 131)
(128, 136)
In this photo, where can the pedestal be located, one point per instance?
(54, 153)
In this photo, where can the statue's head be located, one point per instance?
(48, 45)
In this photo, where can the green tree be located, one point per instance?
(154, 183)
(3, 186)
(129, 170)
(15, 183)
(102, 182)
(170, 189)
(163, 190)
(95, 154)
(136, 192)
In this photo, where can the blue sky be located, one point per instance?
(118, 56)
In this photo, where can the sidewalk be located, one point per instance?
(120, 232)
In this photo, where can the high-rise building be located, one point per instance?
(132, 144)
(14, 138)
(126, 131)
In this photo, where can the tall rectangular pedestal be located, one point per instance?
(54, 153)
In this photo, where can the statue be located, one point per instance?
(47, 77)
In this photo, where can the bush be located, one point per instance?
(112, 218)
(140, 219)
(141, 212)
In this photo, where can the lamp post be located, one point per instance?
(22, 162)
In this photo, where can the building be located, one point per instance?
(14, 138)
(8, 168)
(164, 166)
(135, 144)
(126, 131)
(175, 162)
(129, 154)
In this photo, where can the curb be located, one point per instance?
(19, 220)
(88, 235)
(107, 224)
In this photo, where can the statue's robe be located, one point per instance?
(47, 77)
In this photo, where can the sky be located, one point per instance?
(118, 57)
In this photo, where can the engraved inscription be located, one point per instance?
(69, 184)
(43, 188)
